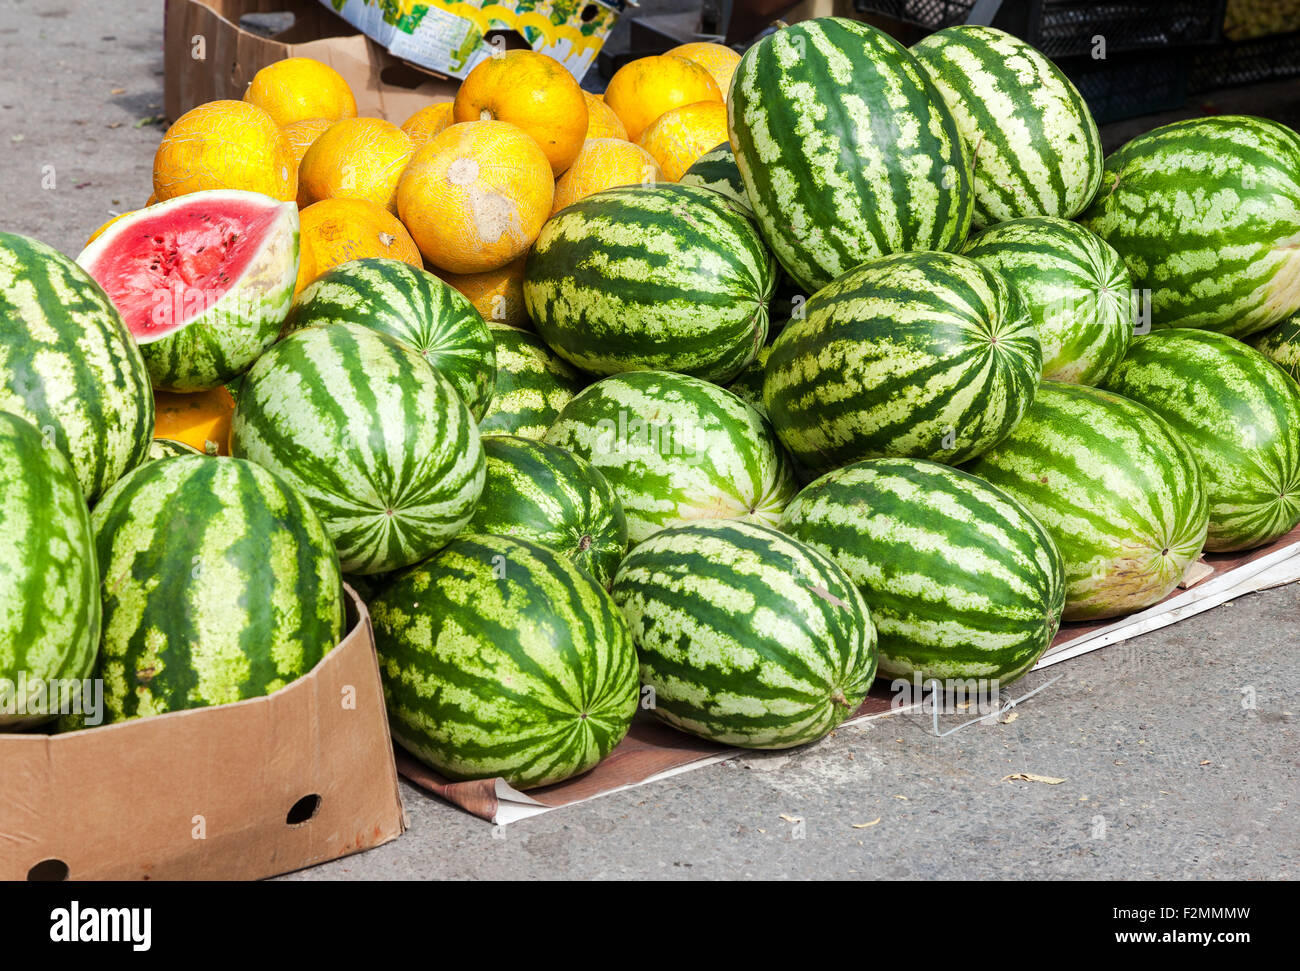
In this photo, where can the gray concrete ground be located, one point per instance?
(1166, 774)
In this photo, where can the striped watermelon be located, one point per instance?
(414, 306)
(746, 636)
(846, 149)
(501, 657)
(220, 583)
(532, 385)
(68, 365)
(717, 170)
(376, 439)
(1075, 286)
(167, 448)
(49, 579)
(1033, 144)
(662, 276)
(1116, 488)
(1281, 344)
(1240, 416)
(547, 495)
(676, 448)
(202, 281)
(962, 582)
(1206, 213)
(748, 384)
(928, 355)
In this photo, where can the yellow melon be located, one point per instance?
(680, 136)
(602, 164)
(334, 231)
(225, 145)
(298, 88)
(357, 158)
(642, 90)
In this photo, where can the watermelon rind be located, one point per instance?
(1116, 488)
(220, 584)
(216, 337)
(920, 355)
(962, 581)
(663, 276)
(414, 306)
(377, 440)
(1034, 146)
(1281, 344)
(1074, 285)
(716, 169)
(501, 657)
(676, 449)
(49, 579)
(846, 149)
(746, 636)
(69, 366)
(1206, 213)
(548, 495)
(532, 384)
(1238, 413)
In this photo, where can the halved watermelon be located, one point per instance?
(203, 281)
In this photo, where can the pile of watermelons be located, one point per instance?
(889, 385)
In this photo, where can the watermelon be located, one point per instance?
(1240, 416)
(167, 448)
(1281, 344)
(414, 306)
(69, 366)
(501, 657)
(748, 384)
(746, 636)
(1206, 213)
(663, 276)
(927, 355)
(1116, 488)
(220, 584)
(49, 578)
(547, 495)
(1033, 144)
(1075, 286)
(717, 170)
(676, 448)
(376, 439)
(962, 582)
(532, 385)
(203, 282)
(846, 149)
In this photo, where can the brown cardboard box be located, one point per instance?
(208, 793)
(209, 57)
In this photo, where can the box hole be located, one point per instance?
(48, 871)
(268, 24)
(589, 12)
(403, 76)
(303, 810)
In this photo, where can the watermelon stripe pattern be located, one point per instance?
(49, 577)
(1116, 488)
(1206, 213)
(746, 636)
(1075, 286)
(376, 439)
(536, 683)
(1035, 149)
(219, 584)
(547, 495)
(69, 366)
(962, 582)
(1281, 345)
(716, 170)
(1240, 416)
(532, 384)
(415, 307)
(676, 449)
(664, 276)
(846, 149)
(927, 355)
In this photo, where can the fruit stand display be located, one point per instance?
(716, 397)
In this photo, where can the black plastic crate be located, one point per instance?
(1273, 57)
(1128, 85)
(1067, 28)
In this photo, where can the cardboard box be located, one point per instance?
(453, 36)
(234, 792)
(208, 56)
